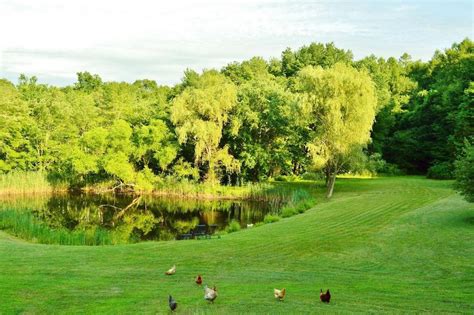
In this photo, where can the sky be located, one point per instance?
(158, 40)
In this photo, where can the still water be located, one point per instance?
(140, 218)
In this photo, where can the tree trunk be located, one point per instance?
(328, 174)
(330, 185)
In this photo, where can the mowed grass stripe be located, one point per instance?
(373, 246)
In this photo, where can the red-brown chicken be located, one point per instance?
(325, 297)
(199, 280)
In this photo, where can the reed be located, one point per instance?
(210, 191)
(25, 182)
(26, 226)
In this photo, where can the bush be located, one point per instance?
(312, 176)
(464, 172)
(233, 226)
(270, 218)
(288, 211)
(376, 165)
(287, 178)
(391, 170)
(443, 170)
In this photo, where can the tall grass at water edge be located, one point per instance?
(26, 226)
(25, 182)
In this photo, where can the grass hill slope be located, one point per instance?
(381, 245)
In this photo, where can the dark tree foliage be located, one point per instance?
(431, 128)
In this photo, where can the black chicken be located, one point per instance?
(172, 303)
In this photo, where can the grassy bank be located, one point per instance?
(387, 245)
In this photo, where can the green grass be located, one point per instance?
(24, 182)
(24, 224)
(385, 245)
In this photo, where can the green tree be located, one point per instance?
(200, 113)
(155, 142)
(316, 54)
(340, 103)
(88, 82)
(16, 152)
(431, 128)
(262, 128)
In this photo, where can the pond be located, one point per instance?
(139, 218)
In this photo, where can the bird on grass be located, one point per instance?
(279, 294)
(171, 271)
(172, 303)
(210, 294)
(325, 297)
(199, 280)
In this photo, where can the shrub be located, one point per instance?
(442, 170)
(391, 170)
(288, 211)
(312, 176)
(376, 165)
(287, 178)
(233, 226)
(270, 218)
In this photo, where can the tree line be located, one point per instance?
(315, 110)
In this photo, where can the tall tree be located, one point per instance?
(340, 103)
(316, 54)
(200, 113)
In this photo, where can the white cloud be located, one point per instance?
(126, 40)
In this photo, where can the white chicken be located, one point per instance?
(210, 294)
(171, 271)
(279, 294)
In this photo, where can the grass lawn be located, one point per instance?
(387, 245)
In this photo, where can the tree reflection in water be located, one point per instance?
(134, 218)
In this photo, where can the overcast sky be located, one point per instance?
(129, 40)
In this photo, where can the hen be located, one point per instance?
(279, 294)
(325, 297)
(210, 294)
(171, 271)
(172, 303)
(199, 280)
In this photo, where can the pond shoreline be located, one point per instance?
(191, 196)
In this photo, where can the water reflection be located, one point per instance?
(135, 218)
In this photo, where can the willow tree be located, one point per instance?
(199, 114)
(340, 103)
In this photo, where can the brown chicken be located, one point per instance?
(199, 280)
(325, 297)
(279, 294)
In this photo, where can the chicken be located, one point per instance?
(199, 280)
(210, 294)
(172, 303)
(279, 294)
(171, 271)
(325, 297)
